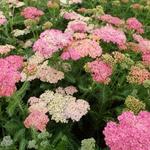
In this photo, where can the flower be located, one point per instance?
(4, 49)
(36, 119)
(3, 19)
(100, 71)
(132, 132)
(111, 20)
(143, 44)
(77, 26)
(10, 75)
(7, 141)
(60, 106)
(48, 74)
(82, 48)
(134, 24)
(31, 13)
(110, 34)
(76, 109)
(133, 104)
(88, 144)
(51, 41)
(146, 58)
(138, 75)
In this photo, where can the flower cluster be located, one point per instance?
(37, 68)
(134, 24)
(3, 19)
(82, 48)
(132, 132)
(69, 90)
(88, 144)
(133, 104)
(144, 48)
(77, 26)
(4, 49)
(60, 107)
(51, 41)
(31, 13)
(100, 71)
(111, 20)
(138, 75)
(36, 119)
(10, 75)
(110, 34)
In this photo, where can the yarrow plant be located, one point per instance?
(74, 75)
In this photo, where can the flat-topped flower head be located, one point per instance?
(51, 41)
(31, 13)
(10, 75)
(110, 34)
(134, 24)
(130, 133)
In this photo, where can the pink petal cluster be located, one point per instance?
(69, 90)
(138, 75)
(146, 58)
(36, 119)
(48, 74)
(100, 71)
(82, 48)
(71, 15)
(110, 34)
(77, 26)
(4, 49)
(10, 75)
(131, 133)
(31, 13)
(51, 41)
(111, 20)
(37, 69)
(144, 47)
(37, 104)
(134, 24)
(76, 109)
(3, 19)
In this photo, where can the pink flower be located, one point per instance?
(138, 75)
(100, 71)
(143, 44)
(48, 74)
(134, 24)
(51, 41)
(77, 26)
(131, 133)
(3, 19)
(82, 48)
(111, 20)
(4, 49)
(9, 74)
(71, 15)
(146, 58)
(70, 90)
(110, 34)
(76, 109)
(15, 61)
(36, 119)
(31, 13)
